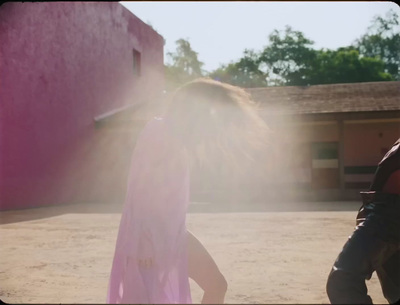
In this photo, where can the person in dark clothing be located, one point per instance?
(375, 242)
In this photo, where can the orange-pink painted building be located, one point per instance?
(330, 138)
(326, 143)
(75, 75)
(63, 67)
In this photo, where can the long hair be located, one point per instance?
(217, 121)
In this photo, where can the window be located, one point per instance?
(325, 165)
(136, 62)
(324, 150)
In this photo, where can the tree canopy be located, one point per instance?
(184, 65)
(382, 41)
(245, 72)
(289, 59)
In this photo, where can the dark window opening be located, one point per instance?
(136, 62)
(324, 150)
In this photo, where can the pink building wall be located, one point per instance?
(366, 143)
(61, 65)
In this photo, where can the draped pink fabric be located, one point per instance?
(153, 223)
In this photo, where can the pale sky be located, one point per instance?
(220, 31)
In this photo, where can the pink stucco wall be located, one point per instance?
(61, 65)
(366, 143)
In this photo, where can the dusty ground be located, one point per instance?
(270, 255)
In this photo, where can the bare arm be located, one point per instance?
(204, 271)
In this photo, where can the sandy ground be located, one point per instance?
(269, 256)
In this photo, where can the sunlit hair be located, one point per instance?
(216, 120)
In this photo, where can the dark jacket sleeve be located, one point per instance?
(388, 165)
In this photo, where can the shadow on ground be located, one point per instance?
(288, 206)
(13, 216)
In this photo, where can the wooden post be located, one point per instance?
(341, 158)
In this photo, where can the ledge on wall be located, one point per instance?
(122, 114)
(130, 115)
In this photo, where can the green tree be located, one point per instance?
(293, 62)
(382, 40)
(290, 59)
(244, 73)
(183, 65)
(287, 57)
(344, 65)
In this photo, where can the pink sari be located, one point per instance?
(153, 224)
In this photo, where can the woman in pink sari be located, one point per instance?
(155, 254)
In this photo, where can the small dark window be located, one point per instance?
(136, 62)
(324, 150)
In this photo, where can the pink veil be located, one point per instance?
(153, 224)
